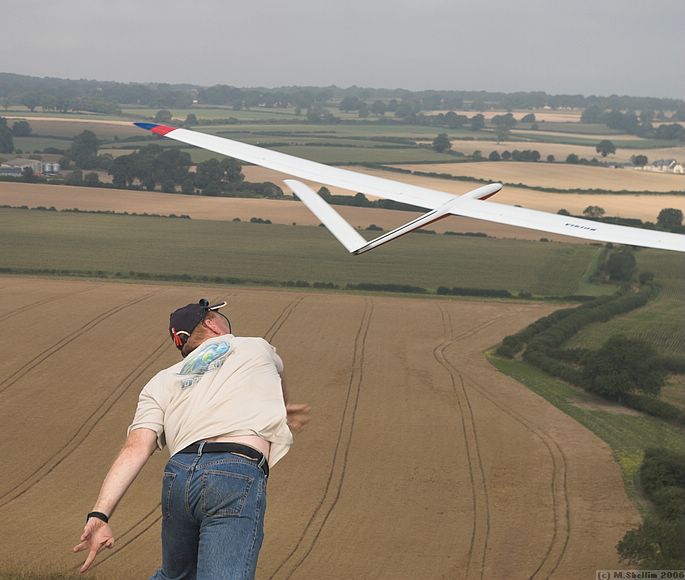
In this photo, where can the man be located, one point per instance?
(222, 413)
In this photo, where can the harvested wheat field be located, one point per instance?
(644, 207)
(225, 209)
(563, 116)
(560, 175)
(561, 151)
(421, 460)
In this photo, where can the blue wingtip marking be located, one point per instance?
(146, 126)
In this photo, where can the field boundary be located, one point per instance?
(623, 433)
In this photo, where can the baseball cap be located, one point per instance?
(183, 321)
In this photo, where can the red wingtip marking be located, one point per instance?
(162, 129)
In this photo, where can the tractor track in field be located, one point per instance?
(41, 302)
(312, 531)
(84, 430)
(561, 515)
(45, 354)
(561, 519)
(480, 500)
(149, 520)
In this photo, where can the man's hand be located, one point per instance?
(96, 535)
(298, 416)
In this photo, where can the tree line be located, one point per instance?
(623, 369)
(640, 124)
(108, 96)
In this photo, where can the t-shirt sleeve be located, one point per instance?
(149, 415)
(277, 359)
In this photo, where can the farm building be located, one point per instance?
(14, 167)
(667, 165)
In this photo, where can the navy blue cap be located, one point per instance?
(183, 321)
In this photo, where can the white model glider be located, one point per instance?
(440, 203)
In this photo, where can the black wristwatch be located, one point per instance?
(98, 515)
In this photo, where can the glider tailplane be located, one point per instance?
(482, 193)
(344, 232)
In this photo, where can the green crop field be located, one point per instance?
(662, 321)
(36, 240)
(625, 142)
(578, 128)
(37, 144)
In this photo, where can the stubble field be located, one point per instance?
(421, 460)
(561, 175)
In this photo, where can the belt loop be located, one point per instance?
(262, 463)
(199, 450)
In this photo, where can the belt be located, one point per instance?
(225, 447)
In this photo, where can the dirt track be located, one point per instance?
(421, 462)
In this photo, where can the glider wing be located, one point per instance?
(471, 204)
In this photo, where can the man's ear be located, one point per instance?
(210, 322)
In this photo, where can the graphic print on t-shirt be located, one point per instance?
(204, 359)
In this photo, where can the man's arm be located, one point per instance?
(298, 413)
(140, 444)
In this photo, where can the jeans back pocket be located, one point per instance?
(224, 492)
(167, 489)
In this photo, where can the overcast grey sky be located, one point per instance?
(597, 47)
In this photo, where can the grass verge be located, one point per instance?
(627, 434)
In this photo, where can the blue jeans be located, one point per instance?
(212, 517)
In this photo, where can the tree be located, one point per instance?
(477, 122)
(6, 140)
(572, 158)
(655, 545)
(191, 119)
(84, 149)
(494, 156)
(670, 218)
(123, 171)
(621, 266)
(563, 211)
(349, 104)
(506, 120)
(28, 175)
(623, 365)
(92, 179)
(74, 178)
(21, 129)
(378, 108)
(455, 121)
(593, 211)
(605, 147)
(529, 118)
(442, 143)
(593, 114)
(30, 101)
(639, 160)
(219, 173)
(550, 158)
(477, 155)
(163, 116)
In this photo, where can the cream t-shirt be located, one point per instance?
(227, 386)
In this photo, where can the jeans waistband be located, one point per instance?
(226, 447)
